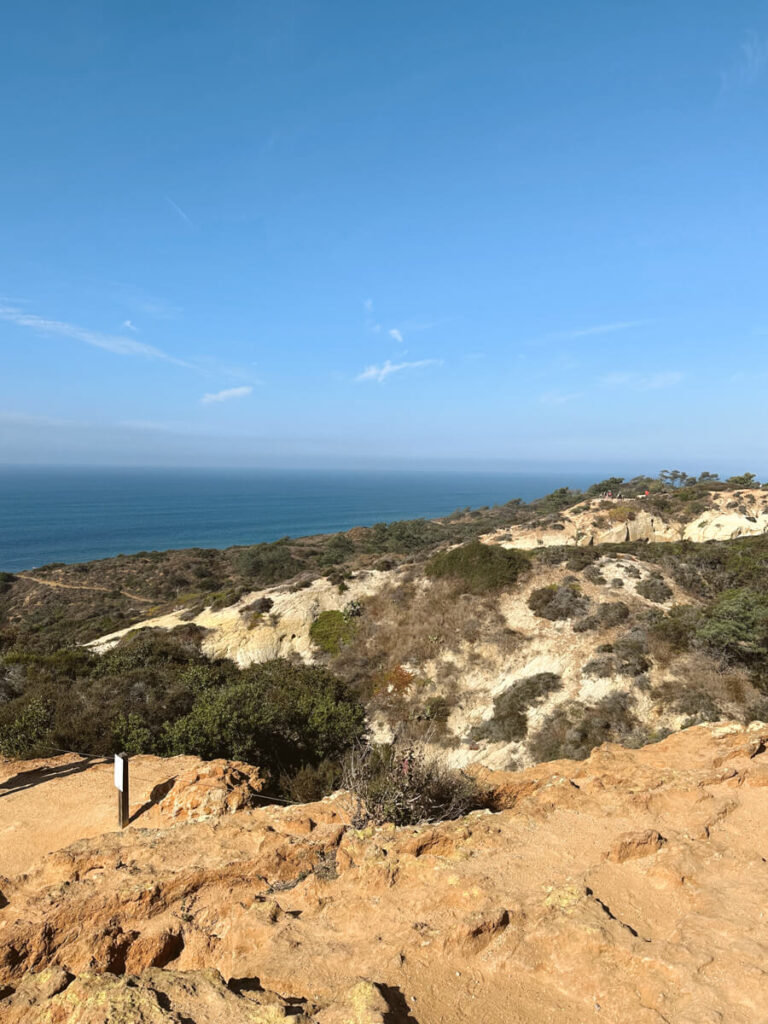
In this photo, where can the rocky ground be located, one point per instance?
(627, 887)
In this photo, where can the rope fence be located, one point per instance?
(151, 779)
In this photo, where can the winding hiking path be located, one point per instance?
(76, 586)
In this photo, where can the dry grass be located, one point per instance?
(706, 690)
(414, 623)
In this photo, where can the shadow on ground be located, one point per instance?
(37, 776)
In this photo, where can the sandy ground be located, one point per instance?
(49, 803)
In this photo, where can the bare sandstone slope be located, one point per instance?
(628, 887)
(485, 650)
(729, 514)
(236, 633)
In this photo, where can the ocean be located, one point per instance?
(75, 515)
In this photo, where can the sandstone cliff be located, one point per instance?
(728, 514)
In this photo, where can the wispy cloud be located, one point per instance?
(227, 395)
(371, 324)
(178, 210)
(128, 326)
(116, 343)
(396, 334)
(587, 332)
(642, 382)
(136, 300)
(22, 419)
(380, 373)
(750, 65)
(559, 397)
(424, 325)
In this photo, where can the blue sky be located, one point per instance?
(337, 233)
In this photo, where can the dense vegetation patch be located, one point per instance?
(276, 715)
(563, 601)
(155, 693)
(574, 729)
(510, 709)
(401, 784)
(331, 631)
(478, 567)
(736, 624)
(654, 589)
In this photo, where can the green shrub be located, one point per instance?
(631, 651)
(151, 646)
(21, 734)
(131, 734)
(331, 631)
(558, 602)
(406, 537)
(6, 579)
(585, 625)
(265, 564)
(401, 784)
(611, 613)
(678, 626)
(736, 625)
(510, 709)
(260, 606)
(581, 557)
(337, 550)
(594, 575)
(573, 730)
(225, 598)
(622, 514)
(600, 667)
(479, 568)
(654, 589)
(279, 716)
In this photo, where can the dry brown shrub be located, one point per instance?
(703, 688)
(412, 623)
(397, 680)
(622, 514)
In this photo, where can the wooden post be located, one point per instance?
(121, 783)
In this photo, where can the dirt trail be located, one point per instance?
(76, 586)
(49, 803)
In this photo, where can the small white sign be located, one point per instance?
(119, 771)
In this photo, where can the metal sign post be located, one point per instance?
(121, 784)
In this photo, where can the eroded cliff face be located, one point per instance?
(729, 514)
(469, 656)
(627, 887)
(248, 638)
(463, 668)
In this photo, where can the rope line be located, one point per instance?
(132, 773)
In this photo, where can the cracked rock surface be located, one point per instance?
(627, 887)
